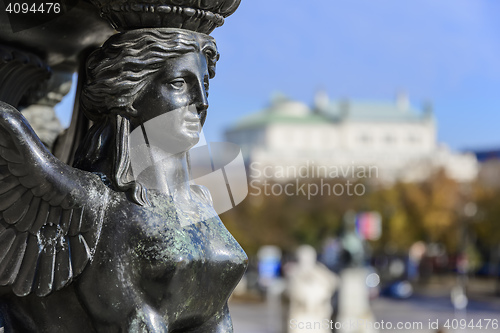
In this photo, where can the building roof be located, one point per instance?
(373, 111)
(283, 110)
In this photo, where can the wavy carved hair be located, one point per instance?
(117, 73)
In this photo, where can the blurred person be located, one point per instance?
(331, 256)
(415, 255)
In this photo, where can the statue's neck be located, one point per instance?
(171, 175)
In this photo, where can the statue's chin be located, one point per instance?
(192, 138)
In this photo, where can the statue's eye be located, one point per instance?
(177, 84)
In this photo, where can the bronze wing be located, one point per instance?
(51, 214)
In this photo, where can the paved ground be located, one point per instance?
(426, 314)
(249, 317)
(421, 313)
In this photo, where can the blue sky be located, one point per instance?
(443, 51)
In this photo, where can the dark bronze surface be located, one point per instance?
(93, 248)
(20, 72)
(193, 15)
(59, 41)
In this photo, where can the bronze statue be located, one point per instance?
(92, 248)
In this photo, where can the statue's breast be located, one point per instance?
(189, 262)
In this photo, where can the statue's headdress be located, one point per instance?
(194, 15)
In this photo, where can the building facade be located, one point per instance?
(396, 140)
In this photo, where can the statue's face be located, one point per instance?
(171, 104)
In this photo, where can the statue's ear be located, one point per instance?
(126, 111)
(131, 111)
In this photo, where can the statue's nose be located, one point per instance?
(201, 100)
(203, 105)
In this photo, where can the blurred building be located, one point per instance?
(392, 140)
(489, 170)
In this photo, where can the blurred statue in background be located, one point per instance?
(310, 288)
(354, 298)
(353, 245)
(91, 248)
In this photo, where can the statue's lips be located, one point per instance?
(192, 123)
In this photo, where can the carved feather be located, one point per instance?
(24, 281)
(28, 219)
(18, 210)
(9, 267)
(43, 205)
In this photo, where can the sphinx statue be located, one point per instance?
(96, 247)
